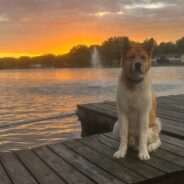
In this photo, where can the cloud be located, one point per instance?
(47, 24)
(105, 13)
(148, 5)
(4, 18)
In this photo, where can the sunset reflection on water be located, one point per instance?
(30, 94)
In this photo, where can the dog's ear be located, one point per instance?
(125, 47)
(148, 46)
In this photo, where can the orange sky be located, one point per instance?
(38, 27)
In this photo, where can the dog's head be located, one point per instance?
(136, 60)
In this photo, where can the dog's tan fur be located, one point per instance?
(136, 102)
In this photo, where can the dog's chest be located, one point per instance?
(136, 99)
(133, 122)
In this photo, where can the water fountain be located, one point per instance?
(96, 64)
(95, 58)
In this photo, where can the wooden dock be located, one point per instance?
(100, 117)
(90, 159)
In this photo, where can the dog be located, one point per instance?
(137, 125)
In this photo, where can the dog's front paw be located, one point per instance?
(144, 155)
(119, 154)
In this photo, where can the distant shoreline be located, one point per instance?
(167, 65)
(154, 65)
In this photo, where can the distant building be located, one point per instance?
(154, 60)
(182, 59)
(36, 66)
(168, 59)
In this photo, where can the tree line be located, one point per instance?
(80, 56)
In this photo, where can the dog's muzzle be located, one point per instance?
(137, 67)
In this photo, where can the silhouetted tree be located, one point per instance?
(165, 48)
(8, 63)
(180, 45)
(110, 51)
(24, 62)
(80, 55)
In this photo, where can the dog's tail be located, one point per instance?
(159, 125)
(116, 129)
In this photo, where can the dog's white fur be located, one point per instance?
(133, 119)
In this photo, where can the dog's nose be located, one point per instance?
(137, 66)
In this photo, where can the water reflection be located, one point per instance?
(29, 94)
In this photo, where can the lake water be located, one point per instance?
(26, 95)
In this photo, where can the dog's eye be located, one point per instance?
(132, 57)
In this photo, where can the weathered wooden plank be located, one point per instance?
(178, 116)
(173, 145)
(105, 163)
(42, 173)
(172, 123)
(113, 109)
(176, 98)
(172, 158)
(15, 169)
(170, 101)
(172, 140)
(169, 126)
(173, 96)
(174, 107)
(157, 162)
(173, 130)
(166, 99)
(161, 106)
(178, 95)
(173, 149)
(134, 164)
(171, 118)
(4, 179)
(169, 113)
(161, 112)
(161, 153)
(103, 108)
(91, 170)
(162, 99)
(61, 167)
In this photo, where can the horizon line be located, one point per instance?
(31, 55)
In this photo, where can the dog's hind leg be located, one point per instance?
(153, 137)
(116, 130)
(154, 145)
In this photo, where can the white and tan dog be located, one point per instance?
(137, 124)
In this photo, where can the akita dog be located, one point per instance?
(137, 124)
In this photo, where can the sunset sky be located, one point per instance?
(35, 27)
